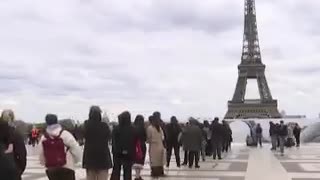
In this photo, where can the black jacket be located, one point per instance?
(123, 142)
(96, 155)
(173, 131)
(218, 132)
(273, 130)
(19, 151)
(259, 130)
(296, 131)
(283, 130)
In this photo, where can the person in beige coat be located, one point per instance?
(155, 137)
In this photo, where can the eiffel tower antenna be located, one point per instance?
(251, 67)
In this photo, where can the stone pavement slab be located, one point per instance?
(242, 163)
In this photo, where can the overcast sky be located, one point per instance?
(179, 57)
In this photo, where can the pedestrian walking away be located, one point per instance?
(297, 132)
(140, 146)
(259, 134)
(173, 130)
(283, 133)
(96, 156)
(8, 168)
(193, 136)
(19, 151)
(216, 138)
(273, 135)
(155, 137)
(123, 147)
(58, 151)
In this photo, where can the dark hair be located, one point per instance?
(124, 119)
(157, 115)
(51, 119)
(174, 120)
(139, 121)
(155, 122)
(95, 114)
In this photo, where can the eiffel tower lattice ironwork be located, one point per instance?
(251, 67)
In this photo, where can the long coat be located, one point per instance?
(96, 155)
(156, 148)
(192, 138)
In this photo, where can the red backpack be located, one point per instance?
(139, 153)
(54, 151)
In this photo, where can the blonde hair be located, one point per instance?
(7, 115)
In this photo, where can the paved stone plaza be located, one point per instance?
(242, 163)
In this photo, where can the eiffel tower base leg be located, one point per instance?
(247, 110)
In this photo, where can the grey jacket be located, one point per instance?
(192, 138)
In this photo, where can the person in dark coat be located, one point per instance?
(184, 142)
(273, 135)
(283, 133)
(173, 131)
(259, 134)
(207, 130)
(96, 156)
(193, 142)
(8, 168)
(123, 147)
(140, 140)
(227, 137)
(217, 138)
(19, 148)
(296, 133)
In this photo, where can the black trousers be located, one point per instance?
(208, 148)
(217, 147)
(194, 156)
(297, 139)
(186, 157)
(176, 149)
(259, 140)
(116, 171)
(225, 145)
(60, 174)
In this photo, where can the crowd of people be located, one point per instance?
(60, 152)
(281, 135)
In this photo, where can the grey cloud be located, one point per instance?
(179, 57)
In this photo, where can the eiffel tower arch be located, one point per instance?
(251, 67)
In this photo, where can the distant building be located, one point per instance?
(294, 116)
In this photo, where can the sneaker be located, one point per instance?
(190, 167)
(197, 166)
(220, 158)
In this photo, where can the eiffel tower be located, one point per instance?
(251, 67)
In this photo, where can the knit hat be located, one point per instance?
(51, 119)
